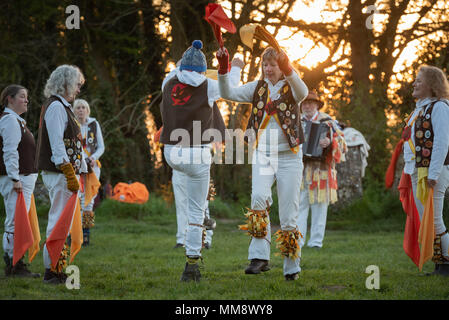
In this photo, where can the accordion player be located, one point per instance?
(314, 131)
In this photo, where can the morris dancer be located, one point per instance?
(319, 182)
(17, 170)
(275, 121)
(426, 155)
(60, 154)
(179, 178)
(93, 148)
(188, 108)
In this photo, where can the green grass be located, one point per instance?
(131, 257)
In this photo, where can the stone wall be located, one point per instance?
(349, 177)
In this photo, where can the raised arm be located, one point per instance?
(243, 93)
(299, 88)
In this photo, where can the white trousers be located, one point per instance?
(179, 180)
(318, 223)
(89, 206)
(286, 168)
(10, 200)
(56, 185)
(438, 202)
(195, 164)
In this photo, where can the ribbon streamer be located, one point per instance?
(218, 19)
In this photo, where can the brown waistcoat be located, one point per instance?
(26, 150)
(72, 140)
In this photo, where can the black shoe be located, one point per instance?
(257, 266)
(207, 245)
(51, 277)
(191, 272)
(21, 270)
(178, 245)
(292, 277)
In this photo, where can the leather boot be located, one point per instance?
(191, 271)
(257, 266)
(51, 277)
(21, 270)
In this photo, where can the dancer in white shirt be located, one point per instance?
(93, 149)
(17, 170)
(278, 135)
(59, 152)
(427, 147)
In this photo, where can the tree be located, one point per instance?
(118, 49)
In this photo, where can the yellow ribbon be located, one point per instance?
(422, 189)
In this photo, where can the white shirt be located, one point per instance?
(11, 134)
(195, 79)
(245, 93)
(100, 143)
(440, 120)
(56, 121)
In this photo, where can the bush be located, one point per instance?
(155, 206)
(376, 203)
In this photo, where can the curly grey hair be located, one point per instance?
(63, 81)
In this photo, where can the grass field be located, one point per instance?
(132, 257)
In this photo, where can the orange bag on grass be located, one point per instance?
(131, 193)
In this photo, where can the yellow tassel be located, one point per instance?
(316, 176)
(308, 174)
(257, 223)
(321, 195)
(287, 243)
(334, 196)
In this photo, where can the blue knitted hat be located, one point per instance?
(193, 59)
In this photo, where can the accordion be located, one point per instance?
(313, 133)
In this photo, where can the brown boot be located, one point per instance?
(257, 266)
(191, 271)
(51, 277)
(21, 270)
